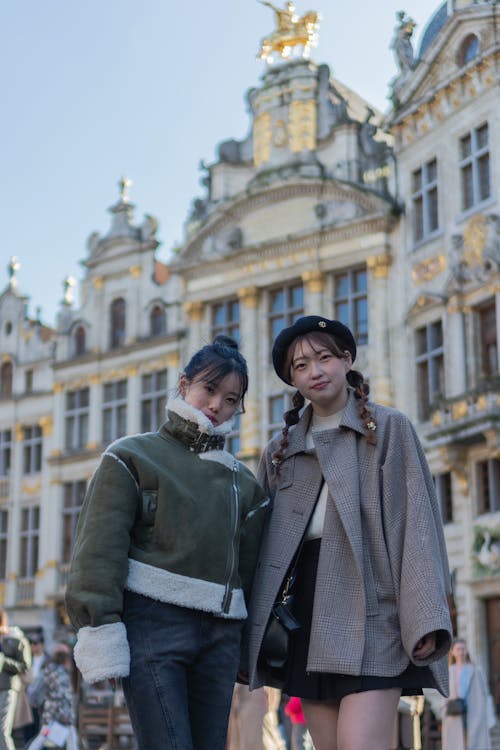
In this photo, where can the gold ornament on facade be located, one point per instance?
(475, 237)
(173, 359)
(18, 432)
(292, 31)
(47, 425)
(194, 310)
(302, 125)
(314, 281)
(135, 271)
(482, 403)
(436, 418)
(31, 489)
(428, 269)
(98, 282)
(379, 265)
(459, 410)
(262, 138)
(249, 296)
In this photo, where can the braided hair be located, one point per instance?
(354, 378)
(213, 362)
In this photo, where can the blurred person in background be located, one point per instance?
(15, 660)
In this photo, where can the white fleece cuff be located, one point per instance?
(103, 652)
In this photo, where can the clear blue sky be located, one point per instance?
(95, 89)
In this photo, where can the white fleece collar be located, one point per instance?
(178, 405)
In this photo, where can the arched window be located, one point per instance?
(117, 323)
(79, 341)
(6, 373)
(469, 49)
(157, 321)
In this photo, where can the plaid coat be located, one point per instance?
(382, 579)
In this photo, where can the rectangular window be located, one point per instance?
(430, 366)
(114, 411)
(5, 452)
(351, 302)
(153, 400)
(276, 408)
(77, 419)
(28, 381)
(425, 201)
(488, 339)
(286, 304)
(74, 493)
(226, 319)
(474, 165)
(30, 534)
(442, 482)
(4, 535)
(488, 486)
(32, 449)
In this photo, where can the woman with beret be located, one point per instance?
(355, 516)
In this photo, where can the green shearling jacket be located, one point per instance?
(167, 522)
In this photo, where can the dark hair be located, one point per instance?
(213, 362)
(353, 377)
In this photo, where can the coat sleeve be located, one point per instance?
(15, 657)
(251, 533)
(99, 568)
(416, 542)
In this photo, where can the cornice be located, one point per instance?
(149, 343)
(285, 245)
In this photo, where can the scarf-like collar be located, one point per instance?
(193, 429)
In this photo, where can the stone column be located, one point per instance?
(456, 376)
(133, 400)
(250, 421)
(173, 368)
(195, 311)
(378, 328)
(314, 283)
(95, 413)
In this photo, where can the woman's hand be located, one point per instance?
(425, 647)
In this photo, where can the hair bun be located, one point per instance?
(221, 340)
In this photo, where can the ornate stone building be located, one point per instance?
(388, 223)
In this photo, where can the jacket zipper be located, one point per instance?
(231, 559)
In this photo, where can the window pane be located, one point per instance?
(465, 146)
(278, 301)
(483, 166)
(417, 181)
(361, 281)
(341, 285)
(482, 136)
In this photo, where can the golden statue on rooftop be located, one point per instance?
(292, 31)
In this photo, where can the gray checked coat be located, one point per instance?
(382, 579)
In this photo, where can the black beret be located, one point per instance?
(310, 324)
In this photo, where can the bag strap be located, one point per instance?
(292, 570)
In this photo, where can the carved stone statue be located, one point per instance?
(291, 32)
(402, 44)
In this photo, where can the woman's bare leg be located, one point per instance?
(366, 720)
(321, 720)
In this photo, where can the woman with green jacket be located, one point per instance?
(164, 559)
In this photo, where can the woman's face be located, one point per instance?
(218, 402)
(320, 376)
(459, 652)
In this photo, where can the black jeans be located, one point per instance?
(182, 672)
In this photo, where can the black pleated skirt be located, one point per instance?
(327, 686)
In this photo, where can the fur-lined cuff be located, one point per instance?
(103, 652)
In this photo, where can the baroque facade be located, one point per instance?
(389, 223)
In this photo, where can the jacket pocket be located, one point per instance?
(148, 508)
